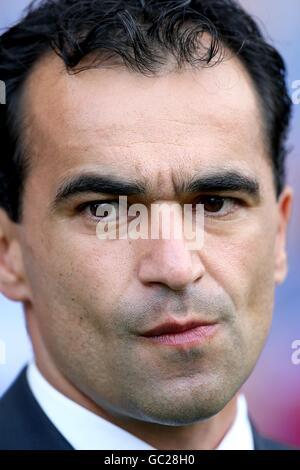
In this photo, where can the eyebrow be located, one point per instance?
(86, 183)
(228, 181)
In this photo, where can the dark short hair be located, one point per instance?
(142, 35)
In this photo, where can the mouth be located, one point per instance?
(176, 334)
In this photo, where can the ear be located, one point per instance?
(284, 211)
(13, 282)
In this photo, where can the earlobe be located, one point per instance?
(284, 211)
(12, 279)
(281, 270)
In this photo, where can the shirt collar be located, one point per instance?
(239, 436)
(85, 430)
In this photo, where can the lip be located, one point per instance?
(174, 333)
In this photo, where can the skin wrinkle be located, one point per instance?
(88, 301)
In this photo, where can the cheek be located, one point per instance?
(78, 282)
(243, 265)
(84, 273)
(242, 262)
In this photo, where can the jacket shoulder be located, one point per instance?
(262, 442)
(23, 424)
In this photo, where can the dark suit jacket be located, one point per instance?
(24, 425)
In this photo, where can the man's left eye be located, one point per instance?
(216, 206)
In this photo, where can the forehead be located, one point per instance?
(123, 121)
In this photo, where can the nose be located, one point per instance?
(169, 262)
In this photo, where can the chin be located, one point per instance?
(184, 409)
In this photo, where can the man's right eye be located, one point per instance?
(100, 210)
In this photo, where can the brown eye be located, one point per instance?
(100, 210)
(219, 206)
(213, 204)
(103, 209)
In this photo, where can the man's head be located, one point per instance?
(178, 101)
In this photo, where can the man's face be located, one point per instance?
(92, 299)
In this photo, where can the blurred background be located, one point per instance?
(273, 390)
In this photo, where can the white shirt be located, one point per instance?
(85, 430)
